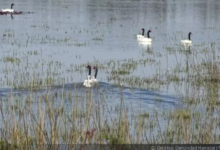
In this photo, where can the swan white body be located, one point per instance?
(186, 41)
(87, 82)
(145, 39)
(9, 10)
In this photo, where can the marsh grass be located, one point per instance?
(45, 112)
(89, 120)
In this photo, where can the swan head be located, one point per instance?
(190, 33)
(12, 5)
(88, 67)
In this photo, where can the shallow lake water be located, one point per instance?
(72, 33)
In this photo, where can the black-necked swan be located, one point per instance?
(187, 41)
(94, 79)
(87, 82)
(9, 10)
(142, 34)
(146, 39)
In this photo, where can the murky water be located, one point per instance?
(76, 32)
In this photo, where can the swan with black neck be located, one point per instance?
(94, 79)
(142, 34)
(87, 82)
(187, 41)
(146, 39)
(9, 10)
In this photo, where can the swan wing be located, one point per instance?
(186, 41)
(146, 40)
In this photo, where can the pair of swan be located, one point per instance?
(91, 82)
(9, 10)
(142, 38)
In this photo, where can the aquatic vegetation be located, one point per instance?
(80, 44)
(79, 117)
(97, 39)
(11, 59)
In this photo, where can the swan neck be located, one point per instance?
(143, 32)
(148, 34)
(11, 6)
(189, 36)
(96, 72)
(89, 71)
